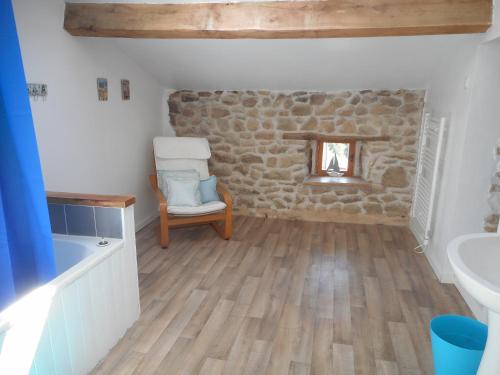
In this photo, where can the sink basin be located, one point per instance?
(475, 259)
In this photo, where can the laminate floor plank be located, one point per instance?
(283, 297)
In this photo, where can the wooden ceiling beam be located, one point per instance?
(279, 19)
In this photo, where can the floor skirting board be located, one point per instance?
(328, 216)
(449, 278)
(141, 224)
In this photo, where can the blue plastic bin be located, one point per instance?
(457, 344)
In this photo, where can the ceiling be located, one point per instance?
(295, 64)
(311, 64)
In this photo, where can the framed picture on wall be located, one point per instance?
(125, 89)
(102, 89)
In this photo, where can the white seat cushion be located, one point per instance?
(204, 209)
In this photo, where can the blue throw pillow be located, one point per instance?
(183, 192)
(208, 190)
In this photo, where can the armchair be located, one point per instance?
(177, 153)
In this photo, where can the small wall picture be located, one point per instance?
(102, 89)
(125, 89)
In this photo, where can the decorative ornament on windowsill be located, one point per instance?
(333, 169)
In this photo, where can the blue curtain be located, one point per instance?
(26, 253)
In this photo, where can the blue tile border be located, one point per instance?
(86, 220)
(108, 222)
(57, 218)
(80, 220)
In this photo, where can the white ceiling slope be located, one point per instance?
(309, 64)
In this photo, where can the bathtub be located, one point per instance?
(69, 324)
(71, 250)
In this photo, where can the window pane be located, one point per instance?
(335, 155)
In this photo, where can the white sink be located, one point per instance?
(475, 259)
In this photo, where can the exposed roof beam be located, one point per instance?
(279, 19)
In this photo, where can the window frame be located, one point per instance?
(350, 162)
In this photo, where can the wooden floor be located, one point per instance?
(283, 297)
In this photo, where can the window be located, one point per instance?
(335, 156)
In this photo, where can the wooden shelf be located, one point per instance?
(96, 200)
(308, 136)
(355, 182)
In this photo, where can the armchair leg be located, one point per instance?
(226, 229)
(164, 238)
(164, 235)
(228, 225)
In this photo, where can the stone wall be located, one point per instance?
(266, 173)
(491, 221)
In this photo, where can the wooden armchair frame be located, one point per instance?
(168, 221)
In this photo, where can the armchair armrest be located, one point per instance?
(153, 180)
(164, 236)
(226, 197)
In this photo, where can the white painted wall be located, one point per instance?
(85, 145)
(447, 95)
(494, 31)
(468, 95)
(482, 132)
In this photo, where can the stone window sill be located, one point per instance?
(355, 182)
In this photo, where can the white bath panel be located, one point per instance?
(90, 353)
(100, 311)
(74, 328)
(44, 361)
(59, 341)
(117, 295)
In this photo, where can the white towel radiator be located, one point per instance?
(430, 151)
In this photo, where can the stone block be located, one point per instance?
(189, 97)
(252, 124)
(224, 157)
(317, 99)
(330, 108)
(410, 108)
(264, 135)
(301, 110)
(249, 102)
(372, 208)
(391, 101)
(380, 109)
(288, 161)
(351, 208)
(395, 177)
(397, 209)
(345, 126)
(361, 110)
(251, 158)
(278, 174)
(286, 124)
(220, 112)
(355, 99)
(327, 126)
(311, 124)
(346, 111)
(271, 162)
(328, 199)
